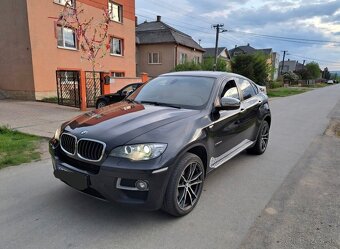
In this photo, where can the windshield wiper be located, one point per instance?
(160, 104)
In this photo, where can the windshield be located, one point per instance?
(176, 91)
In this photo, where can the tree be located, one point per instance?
(290, 77)
(252, 66)
(303, 74)
(92, 36)
(326, 74)
(314, 70)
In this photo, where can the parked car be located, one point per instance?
(154, 149)
(111, 98)
(330, 82)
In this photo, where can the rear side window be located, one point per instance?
(247, 89)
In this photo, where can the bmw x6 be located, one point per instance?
(155, 149)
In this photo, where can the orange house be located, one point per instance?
(37, 55)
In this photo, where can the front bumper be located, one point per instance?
(112, 183)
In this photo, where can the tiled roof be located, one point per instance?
(210, 52)
(159, 32)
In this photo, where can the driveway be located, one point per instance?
(36, 118)
(37, 211)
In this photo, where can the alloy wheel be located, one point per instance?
(189, 186)
(264, 137)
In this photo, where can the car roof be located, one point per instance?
(210, 74)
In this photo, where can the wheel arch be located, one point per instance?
(199, 150)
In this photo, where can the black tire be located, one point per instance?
(262, 140)
(101, 103)
(185, 186)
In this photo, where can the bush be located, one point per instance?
(252, 66)
(275, 84)
(207, 65)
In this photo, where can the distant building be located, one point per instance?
(222, 53)
(160, 48)
(290, 66)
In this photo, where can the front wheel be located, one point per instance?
(262, 140)
(101, 103)
(185, 186)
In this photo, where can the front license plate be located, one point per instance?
(74, 179)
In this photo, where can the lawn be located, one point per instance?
(17, 148)
(287, 91)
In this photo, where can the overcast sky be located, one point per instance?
(303, 19)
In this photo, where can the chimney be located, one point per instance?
(136, 21)
(248, 44)
(159, 18)
(235, 46)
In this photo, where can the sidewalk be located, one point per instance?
(36, 118)
(305, 211)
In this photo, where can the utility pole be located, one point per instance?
(218, 31)
(283, 61)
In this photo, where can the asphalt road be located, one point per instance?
(37, 211)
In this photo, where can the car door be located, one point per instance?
(121, 94)
(250, 103)
(225, 130)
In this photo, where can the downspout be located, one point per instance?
(176, 50)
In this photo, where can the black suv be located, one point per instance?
(111, 98)
(154, 149)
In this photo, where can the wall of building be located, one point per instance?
(47, 57)
(167, 55)
(16, 73)
(191, 53)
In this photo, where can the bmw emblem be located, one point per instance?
(83, 132)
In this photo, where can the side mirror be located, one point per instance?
(124, 93)
(229, 103)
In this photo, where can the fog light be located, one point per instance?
(142, 185)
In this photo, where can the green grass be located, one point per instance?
(286, 91)
(50, 100)
(17, 148)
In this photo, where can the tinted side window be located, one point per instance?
(247, 89)
(230, 90)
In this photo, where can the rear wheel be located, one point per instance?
(101, 103)
(185, 186)
(262, 140)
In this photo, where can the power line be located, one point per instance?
(287, 38)
(313, 59)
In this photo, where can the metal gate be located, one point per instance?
(93, 88)
(68, 88)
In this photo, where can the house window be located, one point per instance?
(116, 46)
(154, 58)
(71, 3)
(196, 59)
(118, 74)
(116, 12)
(183, 58)
(66, 38)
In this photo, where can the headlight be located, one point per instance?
(57, 134)
(139, 152)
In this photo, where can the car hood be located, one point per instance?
(121, 122)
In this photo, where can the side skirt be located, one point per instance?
(217, 162)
